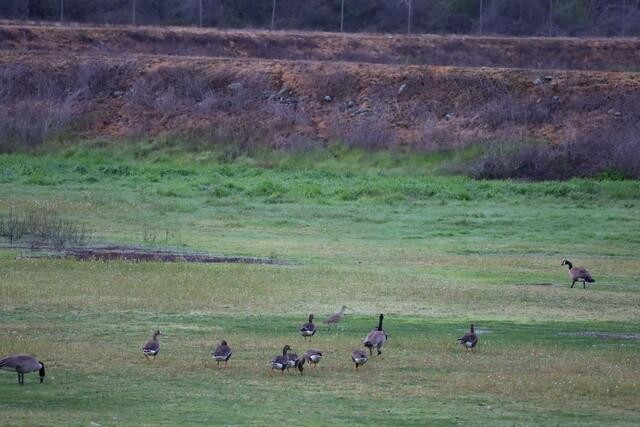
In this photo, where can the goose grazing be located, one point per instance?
(376, 338)
(222, 353)
(313, 356)
(359, 357)
(281, 362)
(295, 361)
(578, 274)
(152, 347)
(336, 317)
(469, 340)
(22, 364)
(308, 329)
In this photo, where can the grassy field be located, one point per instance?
(377, 232)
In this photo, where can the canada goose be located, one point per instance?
(152, 347)
(469, 340)
(376, 338)
(22, 364)
(281, 362)
(295, 361)
(313, 356)
(336, 317)
(308, 329)
(578, 274)
(222, 353)
(359, 357)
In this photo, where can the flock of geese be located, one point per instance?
(24, 363)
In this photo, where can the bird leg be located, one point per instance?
(573, 283)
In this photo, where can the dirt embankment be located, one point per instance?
(97, 83)
(464, 51)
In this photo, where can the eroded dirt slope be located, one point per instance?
(507, 52)
(277, 101)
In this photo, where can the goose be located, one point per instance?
(22, 364)
(376, 338)
(308, 329)
(281, 362)
(313, 356)
(578, 274)
(469, 340)
(295, 361)
(359, 357)
(336, 317)
(222, 353)
(152, 347)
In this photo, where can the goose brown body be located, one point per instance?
(281, 362)
(222, 353)
(470, 339)
(152, 347)
(578, 274)
(313, 356)
(359, 357)
(22, 364)
(308, 329)
(376, 338)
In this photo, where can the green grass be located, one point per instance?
(377, 232)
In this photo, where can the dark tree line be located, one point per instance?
(509, 17)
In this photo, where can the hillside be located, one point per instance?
(104, 82)
(506, 52)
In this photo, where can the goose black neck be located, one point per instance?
(41, 372)
(472, 330)
(310, 318)
(569, 264)
(380, 322)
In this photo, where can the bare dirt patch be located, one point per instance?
(140, 254)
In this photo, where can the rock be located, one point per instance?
(327, 98)
(117, 93)
(556, 98)
(617, 114)
(547, 79)
(265, 95)
(234, 86)
(350, 104)
(448, 116)
(403, 87)
(537, 81)
(283, 91)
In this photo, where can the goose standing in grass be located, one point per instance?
(376, 338)
(313, 356)
(359, 357)
(152, 347)
(335, 318)
(22, 364)
(222, 353)
(469, 340)
(295, 361)
(308, 329)
(578, 274)
(281, 362)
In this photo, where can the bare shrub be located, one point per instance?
(370, 133)
(508, 110)
(613, 151)
(31, 123)
(42, 227)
